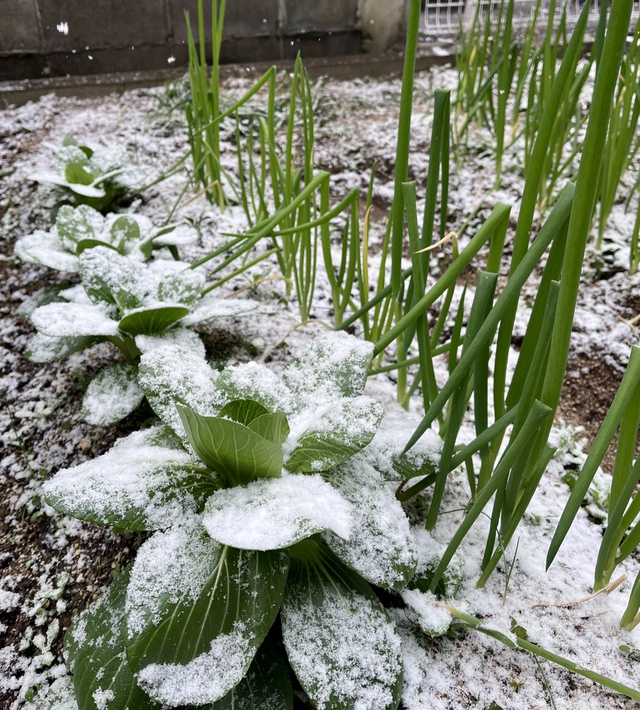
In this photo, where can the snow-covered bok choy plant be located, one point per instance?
(80, 228)
(131, 304)
(99, 177)
(269, 497)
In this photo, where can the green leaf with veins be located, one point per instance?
(112, 395)
(340, 642)
(95, 644)
(139, 484)
(272, 426)
(85, 244)
(76, 173)
(124, 229)
(233, 450)
(243, 411)
(266, 686)
(343, 429)
(198, 649)
(152, 321)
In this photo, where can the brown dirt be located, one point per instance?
(589, 388)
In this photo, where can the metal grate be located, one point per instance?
(444, 17)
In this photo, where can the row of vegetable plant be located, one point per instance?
(280, 547)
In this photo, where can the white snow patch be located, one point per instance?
(271, 514)
(346, 649)
(169, 565)
(206, 679)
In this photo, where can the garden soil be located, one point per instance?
(52, 566)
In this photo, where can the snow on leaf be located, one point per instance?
(420, 671)
(202, 648)
(337, 431)
(51, 178)
(45, 248)
(112, 277)
(44, 348)
(340, 642)
(334, 363)
(171, 375)
(276, 513)
(139, 484)
(212, 306)
(74, 225)
(183, 337)
(97, 657)
(381, 547)
(124, 230)
(384, 453)
(176, 235)
(430, 552)
(111, 395)
(73, 320)
(433, 620)
(266, 684)
(205, 679)
(254, 381)
(171, 566)
(184, 287)
(47, 294)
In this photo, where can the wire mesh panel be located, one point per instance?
(445, 17)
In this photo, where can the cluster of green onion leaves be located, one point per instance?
(122, 298)
(525, 68)
(99, 177)
(274, 522)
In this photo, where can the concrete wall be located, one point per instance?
(40, 38)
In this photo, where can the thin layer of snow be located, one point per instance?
(381, 547)
(130, 479)
(70, 320)
(334, 363)
(170, 565)
(434, 620)
(468, 670)
(206, 679)
(111, 395)
(271, 514)
(171, 374)
(346, 649)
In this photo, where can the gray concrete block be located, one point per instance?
(256, 18)
(103, 23)
(19, 28)
(320, 16)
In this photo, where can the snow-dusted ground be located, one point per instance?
(52, 566)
